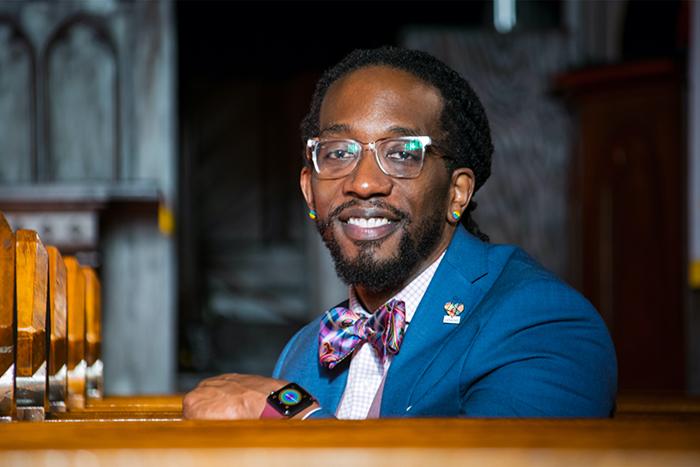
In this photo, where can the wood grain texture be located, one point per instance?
(654, 404)
(58, 332)
(93, 316)
(7, 295)
(7, 320)
(31, 288)
(663, 434)
(76, 333)
(347, 456)
(121, 408)
(57, 310)
(169, 402)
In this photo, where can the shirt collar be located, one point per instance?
(411, 294)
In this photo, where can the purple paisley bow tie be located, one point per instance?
(343, 330)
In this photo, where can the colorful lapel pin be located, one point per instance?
(453, 311)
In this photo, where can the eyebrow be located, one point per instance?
(335, 128)
(345, 128)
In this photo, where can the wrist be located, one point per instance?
(289, 401)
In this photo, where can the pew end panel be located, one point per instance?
(7, 321)
(58, 324)
(93, 335)
(31, 288)
(76, 365)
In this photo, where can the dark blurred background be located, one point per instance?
(159, 141)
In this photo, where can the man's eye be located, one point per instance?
(402, 156)
(338, 154)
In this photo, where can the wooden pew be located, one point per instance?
(76, 334)
(32, 266)
(416, 442)
(54, 296)
(85, 363)
(676, 406)
(58, 324)
(7, 322)
(93, 334)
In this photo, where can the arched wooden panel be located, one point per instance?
(82, 104)
(16, 104)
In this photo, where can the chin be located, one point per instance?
(383, 264)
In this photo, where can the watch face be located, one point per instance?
(290, 400)
(290, 397)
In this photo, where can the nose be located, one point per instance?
(367, 180)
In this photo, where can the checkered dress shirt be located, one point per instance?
(366, 370)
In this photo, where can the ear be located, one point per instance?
(461, 190)
(305, 183)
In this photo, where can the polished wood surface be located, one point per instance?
(424, 433)
(166, 402)
(93, 331)
(652, 405)
(76, 334)
(58, 337)
(31, 289)
(372, 442)
(57, 310)
(122, 408)
(7, 297)
(93, 334)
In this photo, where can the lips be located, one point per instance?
(368, 224)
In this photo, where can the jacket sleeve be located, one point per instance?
(279, 373)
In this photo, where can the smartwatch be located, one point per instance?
(286, 402)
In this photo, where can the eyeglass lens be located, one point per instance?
(401, 157)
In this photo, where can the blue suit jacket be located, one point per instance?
(527, 345)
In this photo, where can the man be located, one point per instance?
(438, 322)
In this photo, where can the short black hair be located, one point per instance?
(467, 137)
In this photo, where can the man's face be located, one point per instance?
(379, 229)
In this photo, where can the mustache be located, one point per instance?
(375, 203)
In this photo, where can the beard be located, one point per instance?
(387, 274)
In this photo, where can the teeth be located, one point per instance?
(368, 223)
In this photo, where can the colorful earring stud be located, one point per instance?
(456, 215)
(312, 214)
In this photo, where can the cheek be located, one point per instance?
(428, 196)
(325, 196)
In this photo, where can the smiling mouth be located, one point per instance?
(361, 229)
(368, 223)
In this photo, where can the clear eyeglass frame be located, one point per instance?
(394, 168)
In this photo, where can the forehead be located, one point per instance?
(370, 103)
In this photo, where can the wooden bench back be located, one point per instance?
(7, 323)
(32, 267)
(76, 365)
(93, 334)
(58, 337)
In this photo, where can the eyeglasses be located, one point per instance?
(400, 157)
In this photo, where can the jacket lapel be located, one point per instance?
(465, 262)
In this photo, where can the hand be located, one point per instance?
(229, 397)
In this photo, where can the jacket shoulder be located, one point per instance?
(537, 330)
